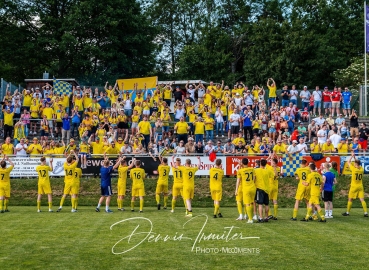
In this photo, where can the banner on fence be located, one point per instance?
(233, 163)
(345, 168)
(26, 166)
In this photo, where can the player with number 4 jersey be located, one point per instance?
(162, 184)
(303, 192)
(216, 190)
(356, 188)
(138, 188)
(44, 182)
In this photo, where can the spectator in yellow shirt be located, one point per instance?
(35, 148)
(328, 147)
(7, 148)
(239, 139)
(8, 123)
(343, 147)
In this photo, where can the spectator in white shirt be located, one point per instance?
(292, 149)
(322, 135)
(335, 138)
(21, 148)
(209, 148)
(293, 95)
(317, 94)
(302, 147)
(238, 100)
(319, 120)
(305, 97)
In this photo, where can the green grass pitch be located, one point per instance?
(85, 240)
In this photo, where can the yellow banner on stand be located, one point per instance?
(128, 84)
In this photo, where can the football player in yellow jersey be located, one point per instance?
(303, 191)
(138, 188)
(262, 176)
(188, 174)
(69, 188)
(315, 181)
(77, 183)
(44, 182)
(84, 150)
(162, 184)
(122, 179)
(177, 183)
(246, 185)
(216, 177)
(273, 187)
(5, 183)
(356, 187)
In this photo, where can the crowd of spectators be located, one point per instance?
(202, 120)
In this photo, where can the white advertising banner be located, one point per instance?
(26, 166)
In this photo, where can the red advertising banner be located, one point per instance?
(233, 163)
(319, 163)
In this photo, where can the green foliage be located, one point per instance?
(352, 76)
(90, 40)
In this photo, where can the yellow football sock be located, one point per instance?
(73, 203)
(363, 203)
(119, 202)
(76, 203)
(239, 208)
(275, 210)
(6, 203)
(157, 199)
(165, 201)
(38, 205)
(141, 204)
(294, 215)
(1, 205)
(132, 205)
(249, 210)
(269, 212)
(62, 201)
(173, 204)
(216, 209)
(320, 212)
(309, 212)
(349, 205)
(50, 205)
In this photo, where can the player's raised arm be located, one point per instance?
(199, 164)
(116, 165)
(51, 164)
(7, 159)
(174, 163)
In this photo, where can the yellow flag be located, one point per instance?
(128, 84)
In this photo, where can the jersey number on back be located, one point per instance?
(68, 172)
(137, 175)
(359, 176)
(42, 173)
(248, 176)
